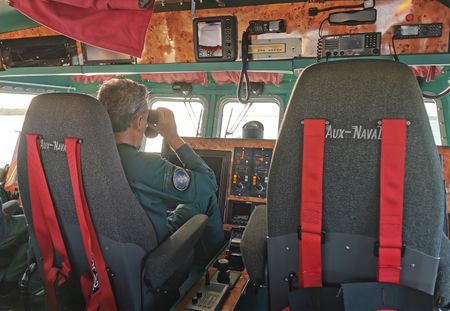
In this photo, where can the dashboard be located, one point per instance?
(241, 167)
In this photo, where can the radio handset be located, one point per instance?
(152, 119)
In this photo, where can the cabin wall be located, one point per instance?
(170, 37)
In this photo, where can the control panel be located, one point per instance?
(239, 212)
(212, 294)
(240, 183)
(260, 176)
(418, 31)
(364, 44)
(250, 171)
(209, 298)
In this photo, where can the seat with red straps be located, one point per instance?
(90, 235)
(348, 229)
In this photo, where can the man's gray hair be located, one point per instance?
(124, 99)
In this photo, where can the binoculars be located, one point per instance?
(153, 120)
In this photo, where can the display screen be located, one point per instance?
(409, 30)
(98, 55)
(352, 43)
(209, 39)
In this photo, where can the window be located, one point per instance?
(189, 117)
(12, 114)
(433, 115)
(234, 115)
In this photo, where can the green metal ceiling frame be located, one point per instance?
(59, 79)
(36, 79)
(12, 20)
(282, 66)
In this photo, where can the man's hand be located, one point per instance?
(168, 128)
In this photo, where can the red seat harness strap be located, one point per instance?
(392, 175)
(96, 287)
(310, 243)
(45, 223)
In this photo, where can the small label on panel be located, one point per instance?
(267, 48)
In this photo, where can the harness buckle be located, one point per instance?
(376, 249)
(322, 233)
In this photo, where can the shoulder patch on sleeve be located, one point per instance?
(181, 179)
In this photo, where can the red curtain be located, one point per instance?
(117, 25)
(233, 77)
(188, 77)
(427, 72)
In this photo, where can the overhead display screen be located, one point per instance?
(215, 39)
(210, 39)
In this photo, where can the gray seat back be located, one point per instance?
(125, 233)
(353, 96)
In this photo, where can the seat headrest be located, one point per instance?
(354, 95)
(115, 211)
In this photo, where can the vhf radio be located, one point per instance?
(261, 27)
(363, 44)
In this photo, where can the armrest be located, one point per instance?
(254, 245)
(443, 281)
(168, 257)
(10, 208)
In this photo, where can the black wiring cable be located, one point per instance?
(443, 93)
(243, 78)
(395, 51)
(359, 6)
(320, 41)
(436, 96)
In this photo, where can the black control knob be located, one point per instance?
(224, 275)
(194, 300)
(259, 188)
(199, 295)
(239, 186)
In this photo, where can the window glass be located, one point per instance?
(188, 117)
(432, 111)
(235, 115)
(12, 114)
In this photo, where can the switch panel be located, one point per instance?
(250, 171)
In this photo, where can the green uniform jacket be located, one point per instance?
(155, 182)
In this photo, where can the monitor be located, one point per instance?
(97, 56)
(215, 38)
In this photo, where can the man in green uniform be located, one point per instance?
(155, 181)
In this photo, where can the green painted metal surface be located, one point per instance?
(282, 66)
(45, 79)
(11, 19)
(437, 86)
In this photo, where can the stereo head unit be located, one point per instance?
(39, 51)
